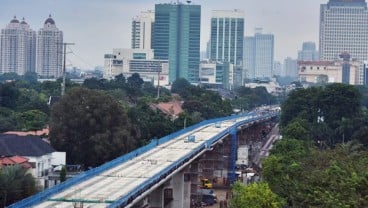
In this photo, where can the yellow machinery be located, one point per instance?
(206, 184)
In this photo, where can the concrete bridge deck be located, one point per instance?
(121, 182)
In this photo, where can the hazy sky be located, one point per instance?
(97, 26)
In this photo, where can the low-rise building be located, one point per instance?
(42, 157)
(330, 72)
(219, 75)
(130, 61)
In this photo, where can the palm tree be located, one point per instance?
(16, 183)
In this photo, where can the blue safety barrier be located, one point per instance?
(46, 194)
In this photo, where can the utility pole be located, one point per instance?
(64, 70)
(158, 84)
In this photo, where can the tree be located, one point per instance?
(135, 81)
(30, 77)
(8, 95)
(8, 119)
(16, 183)
(180, 85)
(32, 120)
(255, 195)
(63, 174)
(91, 127)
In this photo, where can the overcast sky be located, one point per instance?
(97, 26)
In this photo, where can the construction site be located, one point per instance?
(241, 154)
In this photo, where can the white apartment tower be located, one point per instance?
(18, 48)
(142, 30)
(49, 50)
(343, 28)
(259, 55)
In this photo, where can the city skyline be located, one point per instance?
(97, 26)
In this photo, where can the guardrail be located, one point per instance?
(44, 195)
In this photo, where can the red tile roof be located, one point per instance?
(172, 108)
(15, 160)
(41, 132)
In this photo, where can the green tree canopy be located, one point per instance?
(91, 127)
(255, 195)
(330, 114)
(309, 177)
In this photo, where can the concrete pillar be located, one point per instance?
(187, 190)
(177, 184)
(156, 198)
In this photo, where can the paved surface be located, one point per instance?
(221, 196)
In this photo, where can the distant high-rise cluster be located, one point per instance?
(343, 28)
(308, 52)
(259, 55)
(23, 51)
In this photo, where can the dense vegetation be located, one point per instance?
(110, 117)
(322, 159)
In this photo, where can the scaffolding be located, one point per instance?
(233, 156)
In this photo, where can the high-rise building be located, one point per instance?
(308, 52)
(142, 30)
(227, 35)
(290, 68)
(343, 28)
(177, 39)
(259, 55)
(18, 48)
(49, 50)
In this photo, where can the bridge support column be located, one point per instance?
(156, 198)
(233, 155)
(181, 191)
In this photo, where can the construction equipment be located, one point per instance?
(206, 184)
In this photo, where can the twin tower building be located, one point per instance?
(23, 50)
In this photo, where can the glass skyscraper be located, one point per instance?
(308, 52)
(259, 55)
(343, 28)
(227, 35)
(177, 39)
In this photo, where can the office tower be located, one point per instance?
(227, 35)
(308, 52)
(177, 39)
(49, 50)
(142, 30)
(290, 68)
(18, 48)
(343, 28)
(259, 55)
